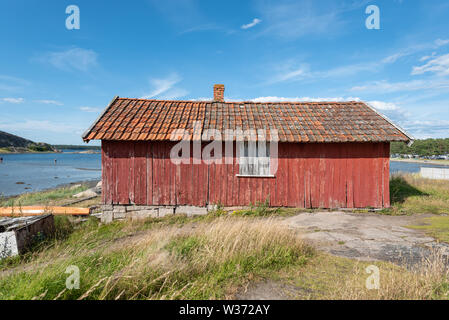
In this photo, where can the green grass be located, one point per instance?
(177, 257)
(412, 194)
(50, 197)
(437, 227)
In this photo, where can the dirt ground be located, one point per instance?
(366, 236)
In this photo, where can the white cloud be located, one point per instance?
(388, 87)
(302, 99)
(165, 88)
(54, 102)
(291, 73)
(423, 129)
(380, 105)
(415, 49)
(439, 66)
(38, 125)
(90, 109)
(77, 59)
(441, 42)
(252, 24)
(12, 84)
(13, 100)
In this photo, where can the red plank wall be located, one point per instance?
(327, 175)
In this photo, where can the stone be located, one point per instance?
(212, 207)
(164, 211)
(118, 209)
(86, 194)
(143, 214)
(119, 215)
(107, 217)
(191, 210)
(107, 207)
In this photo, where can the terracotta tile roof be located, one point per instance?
(139, 119)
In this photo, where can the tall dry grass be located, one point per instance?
(193, 261)
(202, 260)
(426, 280)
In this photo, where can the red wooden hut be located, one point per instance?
(330, 154)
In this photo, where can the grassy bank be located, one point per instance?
(157, 259)
(206, 257)
(412, 194)
(437, 227)
(50, 197)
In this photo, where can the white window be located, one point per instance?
(254, 159)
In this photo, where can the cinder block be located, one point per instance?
(211, 207)
(164, 211)
(107, 207)
(144, 214)
(107, 217)
(191, 210)
(133, 208)
(119, 215)
(119, 209)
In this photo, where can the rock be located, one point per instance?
(75, 186)
(86, 194)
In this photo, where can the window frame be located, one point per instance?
(251, 157)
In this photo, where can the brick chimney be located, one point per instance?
(219, 92)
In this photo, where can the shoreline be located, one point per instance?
(432, 162)
(51, 152)
(91, 183)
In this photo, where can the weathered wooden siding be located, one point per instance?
(331, 175)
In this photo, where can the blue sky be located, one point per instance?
(54, 82)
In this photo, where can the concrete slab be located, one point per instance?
(366, 236)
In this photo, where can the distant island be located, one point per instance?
(426, 148)
(10, 143)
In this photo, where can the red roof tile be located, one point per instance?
(140, 119)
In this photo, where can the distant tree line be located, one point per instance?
(75, 147)
(426, 147)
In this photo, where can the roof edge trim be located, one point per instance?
(86, 133)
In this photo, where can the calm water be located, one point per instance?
(411, 167)
(38, 171)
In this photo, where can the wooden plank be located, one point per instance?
(149, 169)
(307, 160)
(315, 176)
(172, 171)
(157, 167)
(140, 182)
(386, 175)
(40, 210)
(301, 177)
(131, 166)
(349, 177)
(104, 172)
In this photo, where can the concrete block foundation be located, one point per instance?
(136, 212)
